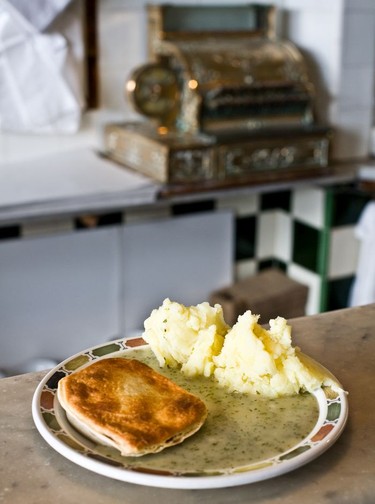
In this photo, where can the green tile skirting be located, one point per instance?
(279, 200)
(338, 292)
(306, 246)
(245, 237)
(347, 205)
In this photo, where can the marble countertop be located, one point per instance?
(344, 341)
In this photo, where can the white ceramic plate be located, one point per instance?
(51, 422)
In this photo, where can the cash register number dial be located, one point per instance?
(153, 90)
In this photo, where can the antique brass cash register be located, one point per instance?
(226, 102)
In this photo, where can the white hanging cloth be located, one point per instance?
(363, 291)
(35, 97)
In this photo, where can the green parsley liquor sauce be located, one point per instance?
(240, 429)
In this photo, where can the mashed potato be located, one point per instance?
(260, 361)
(245, 358)
(187, 336)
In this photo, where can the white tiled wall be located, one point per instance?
(339, 40)
(58, 295)
(266, 231)
(344, 252)
(316, 28)
(313, 282)
(284, 236)
(274, 235)
(308, 206)
(241, 205)
(356, 94)
(122, 47)
(245, 268)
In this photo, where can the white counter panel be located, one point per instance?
(184, 258)
(58, 295)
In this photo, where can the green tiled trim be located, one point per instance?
(325, 248)
(348, 203)
(9, 232)
(197, 206)
(306, 246)
(272, 263)
(338, 292)
(245, 237)
(271, 201)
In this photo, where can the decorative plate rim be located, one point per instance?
(333, 414)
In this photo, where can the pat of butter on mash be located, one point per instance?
(246, 358)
